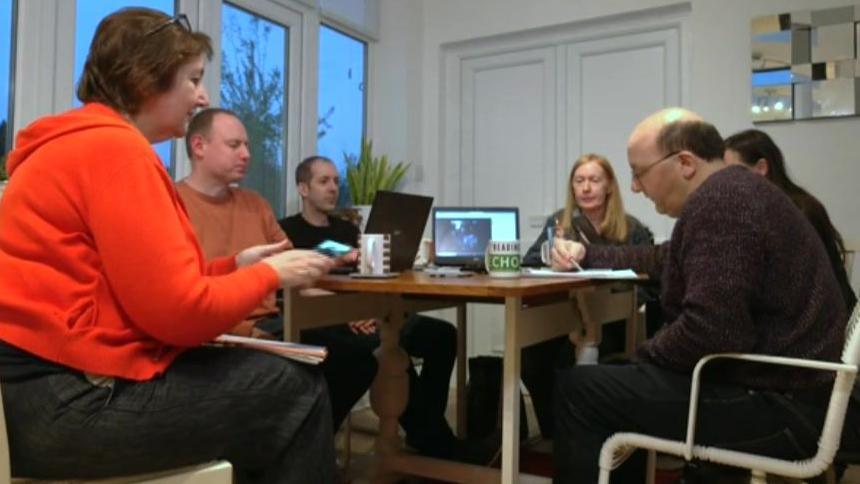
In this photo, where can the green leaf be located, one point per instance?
(366, 174)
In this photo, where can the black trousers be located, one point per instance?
(267, 415)
(594, 402)
(351, 367)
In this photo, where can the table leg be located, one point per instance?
(291, 329)
(511, 391)
(390, 389)
(461, 371)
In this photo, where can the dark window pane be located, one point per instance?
(6, 33)
(253, 83)
(340, 126)
(87, 17)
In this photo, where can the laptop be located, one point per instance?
(404, 216)
(461, 234)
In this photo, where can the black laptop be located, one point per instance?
(403, 216)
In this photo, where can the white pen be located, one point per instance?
(575, 264)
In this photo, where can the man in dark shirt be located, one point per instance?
(433, 340)
(317, 182)
(743, 272)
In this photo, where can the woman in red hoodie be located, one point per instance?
(105, 298)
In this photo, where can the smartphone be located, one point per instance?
(333, 249)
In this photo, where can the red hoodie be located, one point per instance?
(99, 266)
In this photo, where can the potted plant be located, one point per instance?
(366, 174)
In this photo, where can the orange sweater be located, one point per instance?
(228, 224)
(99, 266)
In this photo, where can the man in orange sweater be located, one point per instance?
(228, 219)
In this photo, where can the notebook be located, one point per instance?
(404, 216)
(461, 234)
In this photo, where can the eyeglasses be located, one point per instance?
(637, 175)
(181, 20)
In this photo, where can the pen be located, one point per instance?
(581, 234)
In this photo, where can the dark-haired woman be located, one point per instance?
(756, 150)
(105, 299)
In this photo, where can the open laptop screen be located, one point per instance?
(461, 234)
(403, 216)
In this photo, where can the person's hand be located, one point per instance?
(558, 231)
(566, 255)
(364, 326)
(299, 268)
(348, 259)
(258, 333)
(255, 254)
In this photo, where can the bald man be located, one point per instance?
(743, 272)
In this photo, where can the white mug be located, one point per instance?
(502, 258)
(374, 254)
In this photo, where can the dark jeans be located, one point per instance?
(349, 368)
(542, 362)
(849, 447)
(352, 367)
(594, 402)
(267, 415)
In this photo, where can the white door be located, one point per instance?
(612, 84)
(508, 124)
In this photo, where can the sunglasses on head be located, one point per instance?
(181, 20)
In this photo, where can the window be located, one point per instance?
(341, 104)
(7, 32)
(253, 82)
(87, 17)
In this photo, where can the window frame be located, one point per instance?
(42, 31)
(300, 99)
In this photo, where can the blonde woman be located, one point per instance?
(594, 214)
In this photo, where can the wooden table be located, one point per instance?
(535, 310)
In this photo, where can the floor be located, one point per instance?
(535, 455)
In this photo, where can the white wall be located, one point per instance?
(406, 70)
(396, 84)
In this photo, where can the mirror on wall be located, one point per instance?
(804, 64)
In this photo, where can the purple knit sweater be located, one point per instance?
(744, 272)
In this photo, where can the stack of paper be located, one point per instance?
(310, 354)
(583, 274)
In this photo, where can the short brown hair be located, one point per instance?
(303, 171)
(201, 124)
(699, 137)
(134, 55)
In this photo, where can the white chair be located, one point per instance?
(211, 473)
(619, 446)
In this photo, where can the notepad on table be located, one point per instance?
(310, 354)
(622, 274)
